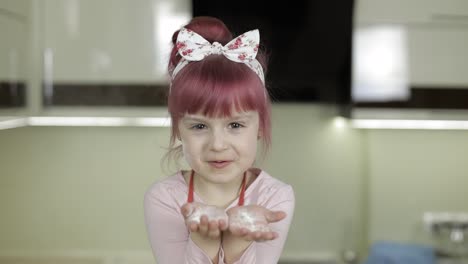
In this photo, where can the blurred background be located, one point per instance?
(369, 125)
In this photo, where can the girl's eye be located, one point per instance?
(235, 125)
(198, 126)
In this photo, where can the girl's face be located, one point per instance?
(220, 149)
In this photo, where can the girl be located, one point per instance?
(222, 210)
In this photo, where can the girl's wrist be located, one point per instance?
(233, 246)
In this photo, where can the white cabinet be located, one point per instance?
(89, 53)
(420, 74)
(110, 41)
(13, 53)
(434, 34)
(438, 56)
(86, 58)
(436, 37)
(109, 52)
(411, 11)
(15, 7)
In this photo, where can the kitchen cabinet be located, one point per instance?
(431, 77)
(108, 53)
(86, 59)
(13, 54)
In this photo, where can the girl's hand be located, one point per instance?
(208, 221)
(251, 222)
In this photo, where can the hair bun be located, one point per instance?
(210, 28)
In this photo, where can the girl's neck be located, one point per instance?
(221, 195)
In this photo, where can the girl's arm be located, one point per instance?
(168, 235)
(239, 251)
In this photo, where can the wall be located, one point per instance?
(81, 188)
(65, 188)
(411, 172)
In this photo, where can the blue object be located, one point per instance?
(384, 252)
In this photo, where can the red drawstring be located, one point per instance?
(190, 190)
(242, 192)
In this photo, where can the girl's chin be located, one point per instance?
(216, 176)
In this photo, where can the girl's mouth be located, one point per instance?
(219, 164)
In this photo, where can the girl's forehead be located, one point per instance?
(233, 115)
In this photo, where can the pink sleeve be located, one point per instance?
(167, 233)
(269, 252)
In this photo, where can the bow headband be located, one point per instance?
(242, 49)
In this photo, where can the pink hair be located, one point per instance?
(215, 86)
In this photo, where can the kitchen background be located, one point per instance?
(73, 194)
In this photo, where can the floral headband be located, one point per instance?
(242, 49)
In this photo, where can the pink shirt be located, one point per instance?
(170, 238)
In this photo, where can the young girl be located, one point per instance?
(222, 210)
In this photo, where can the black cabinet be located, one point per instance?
(308, 42)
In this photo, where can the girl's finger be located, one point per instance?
(253, 236)
(257, 235)
(213, 229)
(243, 231)
(275, 216)
(267, 236)
(271, 236)
(275, 235)
(186, 210)
(262, 236)
(222, 225)
(203, 226)
(238, 231)
(193, 227)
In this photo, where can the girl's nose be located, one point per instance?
(218, 141)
